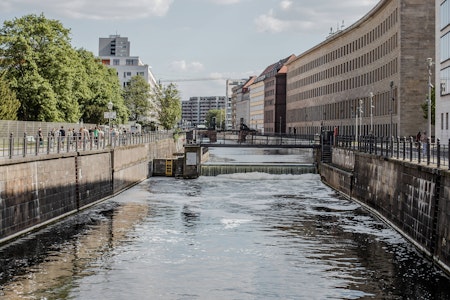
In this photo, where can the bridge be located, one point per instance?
(251, 139)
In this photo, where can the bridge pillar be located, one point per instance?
(192, 161)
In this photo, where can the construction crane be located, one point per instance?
(190, 79)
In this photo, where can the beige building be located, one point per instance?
(369, 77)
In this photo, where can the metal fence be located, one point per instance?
(399, 148)
(29, 145)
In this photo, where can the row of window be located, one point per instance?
(353, 64)
(366, 79)
(379, 105)
(355, 45)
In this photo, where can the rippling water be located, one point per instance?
(240, 236)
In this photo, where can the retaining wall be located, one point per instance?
(413, 198)
(38, 190)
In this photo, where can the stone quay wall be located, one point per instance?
(412, 198)
(35, 191)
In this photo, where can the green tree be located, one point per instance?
(433, 107)
(9, 104)
(97, 85)
(42, 67)
(168, 98)
(215, 118)
(137, 98)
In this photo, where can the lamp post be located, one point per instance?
(356, 124)
(391, 129)
(371, 112)
(110, 107)
(361, 103)
(429, 65)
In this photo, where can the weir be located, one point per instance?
(293, 169)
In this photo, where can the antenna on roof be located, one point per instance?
(342, 26)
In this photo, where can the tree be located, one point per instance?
(215, 118)
(136, 96)
(433, 107)
(9, 104)
(97, 85)
(41, 66)
(168, 98)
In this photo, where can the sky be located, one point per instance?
(206, 41)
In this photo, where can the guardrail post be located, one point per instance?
(397, 140)
(58, 146)
(381, 145)
(37, 144)
(404, 147)
(428, 150)
(48, 142)
(24, 147)
(419, 151)
(11, 146)
(438, 148)
(410, 149)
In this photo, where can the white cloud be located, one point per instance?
(310, 15)
(285, 4)
(183, 66)
(225, 2)
(95, 10)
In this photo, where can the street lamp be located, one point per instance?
(361, 103)
(429, 65)
(110, 107)
(371, 112)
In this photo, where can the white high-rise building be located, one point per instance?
(114, 52)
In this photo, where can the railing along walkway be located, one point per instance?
(406, 149)
(14, 147)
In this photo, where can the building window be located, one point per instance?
(116, 62)
(446, 121)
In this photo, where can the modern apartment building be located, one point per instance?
(442, 71)
(195, 109)
(371, 77)
(229, 85)
(115, 53)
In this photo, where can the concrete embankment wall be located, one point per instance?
(413, 198)
(37, 190)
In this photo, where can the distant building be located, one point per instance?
(114, 52)
(230, 83)
(442, 71)
(240, 103)
(195, 109)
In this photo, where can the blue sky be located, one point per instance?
(198, 39)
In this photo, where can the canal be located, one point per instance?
(236, 236)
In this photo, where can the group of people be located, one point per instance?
(80, 136)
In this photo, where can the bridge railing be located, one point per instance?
(25, 146)
(399, 148)
(254, 138)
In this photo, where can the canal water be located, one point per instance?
(236, 236)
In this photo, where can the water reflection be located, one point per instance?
(48, 263)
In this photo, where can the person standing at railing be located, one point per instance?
(40, 137)
(62, 135)
(424, 139)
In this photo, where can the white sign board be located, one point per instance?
(191, 158)
(110, 115)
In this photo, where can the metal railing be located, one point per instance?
(406, 149)
(13, 147)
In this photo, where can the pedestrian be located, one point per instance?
(62, 135)
(40, 137)
(424, 143)
(418, 139)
